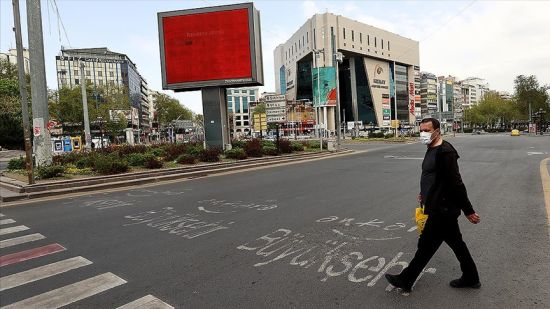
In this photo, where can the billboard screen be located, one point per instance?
(324, 86)
(208, 47)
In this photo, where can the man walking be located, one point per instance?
(443, 195)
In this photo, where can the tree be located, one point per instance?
(169, 109)
(11, 119)
(528, 90)
(259, 109)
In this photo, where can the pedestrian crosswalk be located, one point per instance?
(62, 296)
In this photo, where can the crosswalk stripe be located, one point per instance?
(13, 229)
(6, 221)
(42, 272)
(34, 253)
(70, 293)
(1, 215)
(147, 302)
(20, 240)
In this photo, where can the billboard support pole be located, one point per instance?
(216, 124)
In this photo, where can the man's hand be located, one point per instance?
(419, 198)
(474, 218)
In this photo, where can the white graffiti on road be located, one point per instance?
(188, 226)
(220, 205)
(102, 204)
(299, 250)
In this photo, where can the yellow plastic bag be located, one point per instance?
(420, 218)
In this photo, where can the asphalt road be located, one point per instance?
(319, 234)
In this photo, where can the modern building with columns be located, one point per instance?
(378, 77)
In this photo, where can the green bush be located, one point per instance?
(108, 165)
(138, 159)
(157, 152)
(187, 159)
(376, 135)
(50, 171)
(235, 153)
(17, 164)
(69, 158)
(238, 143)
(253, 148)
(210, 155)
(194, 150)
(297, 146)
(314, 145)
(126, 149)
(388, 135)
(270, 151)
(174, 150)
(90, 160)
(151, 162)
(285, 146)
(268, 143)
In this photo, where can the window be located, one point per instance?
(382, 41)
(314, 42)
(76, 81)
(388, 45)
(237, 104)
(252, 99)
(352, 35)
(238, 123)
(344, 33)
(87, 73)
(245, 123)
(99, 73)
(368, 40)
(245, 105)
(375, 41)
(307, 37)
(75, 72)
(88, 80)
(360, 38)
(100, 82)
(112, 74)
(300, 44)
(303, 41)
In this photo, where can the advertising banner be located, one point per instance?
(324, 86)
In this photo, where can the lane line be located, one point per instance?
(13, 229)
(545, 179)
(147, 302)
(70, 293)
(42, 272)
(6, 221)
(30, 254)
(20, 240)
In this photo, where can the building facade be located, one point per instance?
(238, 105)
(376, 76)
(11, 57)
(473, 90)
(103, 68)
(428, 94)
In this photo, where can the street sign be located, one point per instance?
(273, 98)
(275, 104)
(276, 112)
(276, 119)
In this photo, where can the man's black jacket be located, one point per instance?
(448, 194)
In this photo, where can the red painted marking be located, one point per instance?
(30, 254)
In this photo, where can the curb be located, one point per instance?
(65, 187)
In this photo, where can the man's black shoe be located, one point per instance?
(461, 283)
(397, 282)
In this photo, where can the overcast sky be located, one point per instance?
(495, 40)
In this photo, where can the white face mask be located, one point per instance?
(426, 138)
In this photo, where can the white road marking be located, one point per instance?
(1, 215)
(70, 293)
(412, 228)
(530, 153)
(42, 272)
(13, 229)
(20, 240)
(208, 211)
(147, 302)
(6, 221)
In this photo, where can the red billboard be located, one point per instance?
(216, 46)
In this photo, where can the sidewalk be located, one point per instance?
(12, 190)
(6, 155)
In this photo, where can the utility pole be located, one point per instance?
(336, 57)
(23, 90)
(85, 108)
(39, 95)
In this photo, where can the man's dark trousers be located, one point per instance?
(438, 229)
